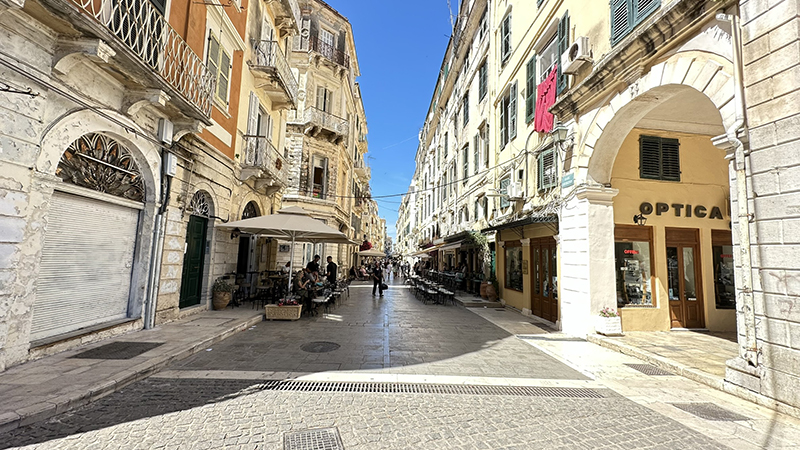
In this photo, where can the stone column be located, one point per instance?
(587, 258)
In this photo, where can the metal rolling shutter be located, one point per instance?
(87, 260)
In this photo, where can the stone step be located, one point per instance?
(471, 301)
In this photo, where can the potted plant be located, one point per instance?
(491, 289)
(222, 291)
(284, 310)
(609, 323)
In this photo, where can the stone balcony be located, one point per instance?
(287, 15)
(321, 124)
(273, 75)
(262, 161)
(363, 172)
(133, 40)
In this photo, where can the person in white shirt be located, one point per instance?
(388, 271)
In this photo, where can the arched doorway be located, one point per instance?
(194, 257)
(90, 245)
(673, 261)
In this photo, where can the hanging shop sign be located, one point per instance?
(681, 210)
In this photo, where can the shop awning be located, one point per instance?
(548, 218)
(451, 246)
(427, 250)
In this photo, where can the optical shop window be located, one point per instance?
(633, 249)
(514, 265)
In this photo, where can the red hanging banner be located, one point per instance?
(545, 98)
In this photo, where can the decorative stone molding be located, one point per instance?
(597, 195)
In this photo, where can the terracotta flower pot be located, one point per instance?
(220, 300)
(484, 287)
(491, 293)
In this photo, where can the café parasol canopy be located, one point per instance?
(372, 252)
(293, 224)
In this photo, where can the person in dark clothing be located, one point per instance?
(313, 267)
(377, 280)
(331, 270)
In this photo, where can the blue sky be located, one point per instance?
(400, 46)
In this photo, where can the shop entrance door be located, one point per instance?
(685, 288)
(544, 301)
(192, 279)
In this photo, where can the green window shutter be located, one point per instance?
(503, 130)
(482, 75)
(512, 114)
(505, 42)
(466, 109)
(670, 160)
(539, 2)
(649, 157)
(659, 158)
(504, 190)
(476, 152)
(621, 19)
(561, 46)
(530, 90)
(643, 8)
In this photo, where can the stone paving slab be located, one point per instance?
(39, 389)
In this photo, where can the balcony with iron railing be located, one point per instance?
(160, 58)
(329, 51)
(262, 160)
(271, 69)
(319, 123)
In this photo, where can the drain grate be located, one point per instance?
(118, 350)
(315, 439)
(648, 369)
(709, 411)
(551, 338)
(319, 347)
(409, 388)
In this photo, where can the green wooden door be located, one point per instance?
(192, 279)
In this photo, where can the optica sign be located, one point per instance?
(681, 210)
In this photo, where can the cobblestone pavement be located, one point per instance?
(217, 399)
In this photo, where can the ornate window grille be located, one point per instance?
(200, 205)
(97, 162)
(250, 211)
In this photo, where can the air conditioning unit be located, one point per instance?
(576, 55)
(515, 191)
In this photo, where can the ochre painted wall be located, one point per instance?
(704, 181)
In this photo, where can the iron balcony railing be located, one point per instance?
(269, 54)
(329, 51)
(327, 121)
(141, 28)
(261, 154)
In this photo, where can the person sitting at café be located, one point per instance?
(351, 275)
(285, 269)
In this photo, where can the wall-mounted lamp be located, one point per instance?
(640, 219)
(559, 133)
(235, 233)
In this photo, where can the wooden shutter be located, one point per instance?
(476, 152)
(505, 45)
(670, 160)
(503, 124)
(466, 108)
(530, 90)
(561, 47)
(649, 157)
(482, 78)
(643, 8)
(212, 58)
(224, 75)
(621, 19)
(512, 115)
(252, 115)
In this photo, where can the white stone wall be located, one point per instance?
(771, 40)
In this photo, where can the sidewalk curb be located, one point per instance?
(719, 384)
(11, 420)
(659, 361)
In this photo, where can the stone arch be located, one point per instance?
(254, 198)
(202, 204)
(62, 133)
(706, 74)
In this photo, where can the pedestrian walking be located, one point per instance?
(388, 271)
(377, 280)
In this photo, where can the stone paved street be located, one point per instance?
(217, 399)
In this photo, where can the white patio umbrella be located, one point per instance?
(294, 224)
(371, 252)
